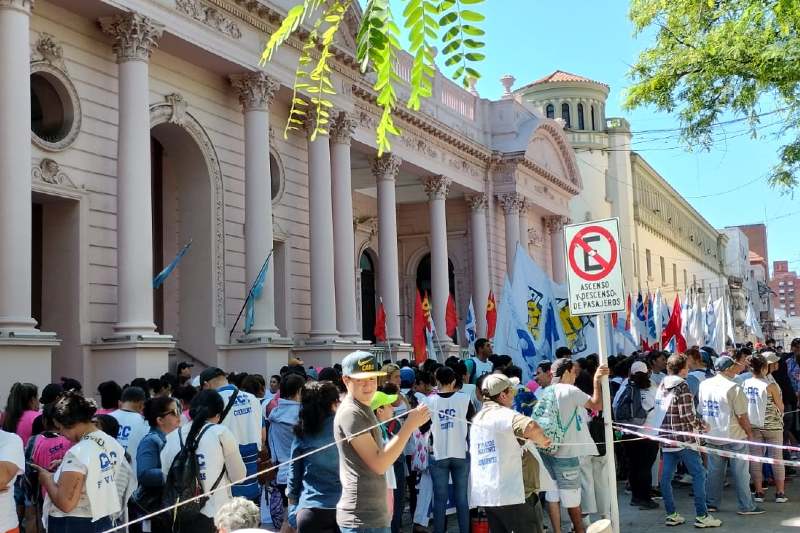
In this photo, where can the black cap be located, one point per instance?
(184, 364)
(210, 373)
(51, 392)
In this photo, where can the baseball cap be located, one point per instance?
(407, 377)
(210, 373)
(494, 384)
(723, 363)
(380, 399)
(361, 365)
(184, 364)
(51, 392)
(638, 366)
(771, 357)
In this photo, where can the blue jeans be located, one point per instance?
(365, 529)
(72, 524)
(441, 471)
(695, 466)
(741, 477)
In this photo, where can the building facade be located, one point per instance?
(667, 244)
(153, 127)
(785, 289)
(742, 285)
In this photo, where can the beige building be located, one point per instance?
(666, 243)
(147, 124)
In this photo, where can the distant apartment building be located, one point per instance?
(785, 289)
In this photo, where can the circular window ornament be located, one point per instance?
(55, 108)
(276, 177)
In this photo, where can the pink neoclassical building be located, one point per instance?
(147, 124)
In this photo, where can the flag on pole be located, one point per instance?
(380, 323)
(253, 295)
(715, 324)
(164, 274)
(418, 338)
(430, 328)
(673, 329)
(451, 317)
(751, 322)
(652, 332)
(640, 319)
(491, 315)
(697, 323)
(729, 331)
(470, 328)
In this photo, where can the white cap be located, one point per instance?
(638, 366)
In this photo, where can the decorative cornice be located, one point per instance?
(48, 50)
(555, 223)
(503, 162)
(134, 35)
(256, 90)
(510, 201)
(210, 16)
(22, 5)
(437, 187)
(342, 128)
(478, 202)
(386, 167)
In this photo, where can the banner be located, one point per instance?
(470, 328)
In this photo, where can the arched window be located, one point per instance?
(550, 111)
(591, 112)
(565, 114)
(581, 123)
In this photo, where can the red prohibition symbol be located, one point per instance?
(602, 266)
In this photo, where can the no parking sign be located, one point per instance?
(594, 269)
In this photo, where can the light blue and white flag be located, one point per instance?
(470, 328)
(253, 295)
(578, 333)
(652, 331)
(715, 323)
(751, 322)
(640, 319)
(164, 274)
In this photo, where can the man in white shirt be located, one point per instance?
(496, 458)
(244, 419)
(480, 363)
(564, 465)
(132, 425)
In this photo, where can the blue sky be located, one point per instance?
(530, 39)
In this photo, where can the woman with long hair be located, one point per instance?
(82, 495)
(313, 481)
(22, 409)
(765, 411)
(164, 417)
(222, 463)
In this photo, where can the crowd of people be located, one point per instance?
(368, 446)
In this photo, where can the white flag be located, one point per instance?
(751, 322)
(715, 325)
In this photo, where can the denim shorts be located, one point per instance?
(565, 471)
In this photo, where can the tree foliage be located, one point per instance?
(452, 23)
(712, 57)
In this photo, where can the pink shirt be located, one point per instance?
(25, 425)
(104, 411)
(48, 449)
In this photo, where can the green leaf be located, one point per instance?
(472, 16)
(474, 56)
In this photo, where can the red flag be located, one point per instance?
(491, 315)
(380, 323)
(674, 327)
(418, 337)
(614, 319)
(451, 317)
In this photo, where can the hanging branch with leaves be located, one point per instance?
(377, 49)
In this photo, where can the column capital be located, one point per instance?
(386, 167)
(20, 5)
(342, 127)
(523, 205)
(437, 187)
(555, 223)
(511, 202)
(478, 202)
(255, 90)
(134, 35)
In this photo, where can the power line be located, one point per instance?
(715, 124)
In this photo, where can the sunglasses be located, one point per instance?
(174, 412)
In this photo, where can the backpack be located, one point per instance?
(629, 408)
(548, 416)
(183, 477)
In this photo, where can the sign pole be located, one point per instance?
(611, 469)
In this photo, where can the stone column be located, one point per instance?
(320, 222)
(256, 91)
(15, 167)
(478, 204)
(385, 170)
(134, 37)
(555, 227)
(437, 188)
(524, 226)
(341, 130)
(511, 202)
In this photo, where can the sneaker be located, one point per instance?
(686, 479)
(781, 498)
(674, 519)
(655, 494)
(758, 497)
(753, 511)
(645, 505)
(707, 521)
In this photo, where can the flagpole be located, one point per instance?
(611, 469)
(249, 294)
